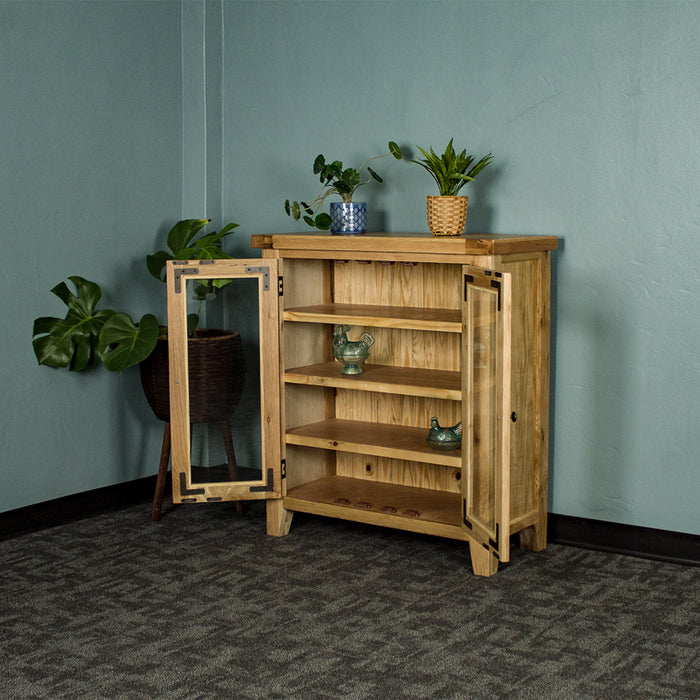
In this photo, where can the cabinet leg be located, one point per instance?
(279, 519)
(483, 562)
(534, 538)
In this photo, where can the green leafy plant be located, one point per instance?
(336, 179)
(87, 337)
(451, 171)
(183, 246)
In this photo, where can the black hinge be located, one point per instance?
(464, 514)
(495, 554)
(468, 279)
(494, 543)
(492, 546)
(283, 468)
(496, 284)
(280, 286)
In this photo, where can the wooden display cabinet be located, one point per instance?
(461, 328)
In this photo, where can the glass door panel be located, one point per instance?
(224, 384)
(486, 450)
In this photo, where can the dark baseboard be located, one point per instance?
(77, 506)
(676, 547)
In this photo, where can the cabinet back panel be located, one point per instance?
(412, 348)
(424, 285)
(398, 471)
(395, 409)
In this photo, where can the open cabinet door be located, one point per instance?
(486, 358)
(225, 408)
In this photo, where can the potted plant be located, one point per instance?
(88, 337)
(345, 216)
(447, 212)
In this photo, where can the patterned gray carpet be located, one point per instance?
(205, 605)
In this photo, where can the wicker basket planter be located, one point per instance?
(216, 376)
(447, 215)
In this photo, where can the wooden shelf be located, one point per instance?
(412, 318)
(377, 503)
(408, 381)
(380, 440)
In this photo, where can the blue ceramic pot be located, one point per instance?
(348, 217)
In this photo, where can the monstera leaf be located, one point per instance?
(86, 337)
(123, 343)
(183, 232)
(183, 246)
(72, 341)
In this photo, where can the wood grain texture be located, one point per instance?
(265, 276)
(400, 442)
(402, 507)
(444, 320)
(436, 477)
(485, 244)
(483, 562)
(407, 290)
(381, 378)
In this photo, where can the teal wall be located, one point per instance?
(591, 110)
(90, 175)
(122, 122)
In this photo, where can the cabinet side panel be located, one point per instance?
(306, 344)
(305, 464)
(306, 282)
(304, 404)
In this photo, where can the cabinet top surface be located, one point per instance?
(466, 244)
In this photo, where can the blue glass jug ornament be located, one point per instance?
(350, 352)
(444, 438)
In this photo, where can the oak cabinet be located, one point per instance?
(461, 328)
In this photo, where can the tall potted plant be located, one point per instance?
(88, 337)
(447, 211)
(345, 216)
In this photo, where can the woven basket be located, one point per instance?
(216, 376)
(447, 215)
